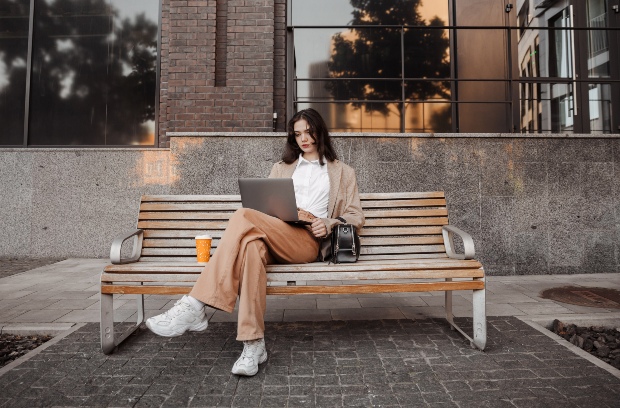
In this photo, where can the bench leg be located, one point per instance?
(480, 319)
(107, 323)
(108, 343)
(448, 306)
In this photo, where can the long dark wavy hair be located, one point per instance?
(318, 132)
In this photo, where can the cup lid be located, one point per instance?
(203, 236)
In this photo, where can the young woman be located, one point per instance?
(324, 186)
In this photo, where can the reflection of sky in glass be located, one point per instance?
(313, 46)
(130, 9)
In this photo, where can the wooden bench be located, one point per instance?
(407, 246)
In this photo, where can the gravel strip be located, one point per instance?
(603, 343)
(13, 346)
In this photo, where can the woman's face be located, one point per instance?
(304, 140)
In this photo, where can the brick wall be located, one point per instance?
(190, 99)
(279, 71)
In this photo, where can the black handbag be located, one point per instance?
(345, 243)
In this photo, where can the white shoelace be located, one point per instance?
(177, 309)
(249, 348)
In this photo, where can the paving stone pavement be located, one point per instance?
(379, 363)
(14, 265)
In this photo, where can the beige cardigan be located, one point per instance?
(344, 200)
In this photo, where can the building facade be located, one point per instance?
(511, 107)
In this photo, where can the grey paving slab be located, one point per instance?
(288, 303)
(367, 313)
(510, 298)
(40, 316)
(391, 301)
(343, 303)
(35, 304)
(10, 314)
(74, 294)
(503, 310)
(541, 308)
(393, 363)
(416, 313)
(14, 265)
(73, 304)
(18, 294)
(309, 315)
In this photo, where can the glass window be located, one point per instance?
(378, 55)
(599, 96)
(14, 19)
(94, 72)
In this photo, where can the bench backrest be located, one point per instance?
(398, 225)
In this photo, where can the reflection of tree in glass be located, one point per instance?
(93, 76)
(376, 53)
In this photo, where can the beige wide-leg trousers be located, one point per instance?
(251, 241)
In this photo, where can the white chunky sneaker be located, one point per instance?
(179, 319)
(254, 353)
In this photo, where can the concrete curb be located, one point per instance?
(30, 329)
(32, 353)
(542, 324)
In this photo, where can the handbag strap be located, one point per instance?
(341, 219)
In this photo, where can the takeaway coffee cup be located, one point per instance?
(203, 247)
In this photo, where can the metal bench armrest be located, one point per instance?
(448, 232)
(115, 250)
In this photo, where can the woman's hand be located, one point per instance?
(318, 228)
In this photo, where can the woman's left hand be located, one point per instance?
(318, 228)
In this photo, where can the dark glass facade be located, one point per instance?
(93, 72)
(457, 65)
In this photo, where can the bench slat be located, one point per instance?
(175, 243)
(439, 212)
(402, 249)
(370, 222)
(175, 198)
(147, 215)
(362, 265)
(315, 290)
(404, 222)
(375, 288)
(427, 255)
(197, 225)
(405, 195)
(365, 250)
(189, 206)
(370, 232)
(380, 241)
(192, 276)
(149, 234)
(364, 241)
(381, 257)
(175, 259)
(437, 202)
(224, 198)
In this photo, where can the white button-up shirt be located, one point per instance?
(311, 182)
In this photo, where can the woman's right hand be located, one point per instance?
(319, 229)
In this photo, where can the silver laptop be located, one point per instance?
(272, 196)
